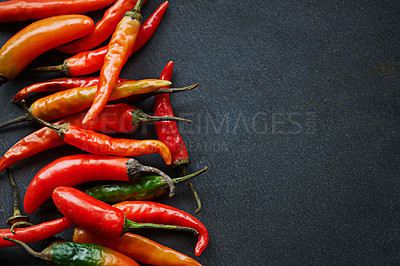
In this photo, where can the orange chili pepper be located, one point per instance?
(37, 38)
(138, 248)
(119, 49)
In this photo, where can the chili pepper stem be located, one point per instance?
(139, 117)
(17, 220)
(130, 225)
(63, 68)
(60, 129)
(15, 121)
(40, 255)
(182, 171)
(135, 12)
(142, 97)
(184, 178)
(135, 169)
(173, 90)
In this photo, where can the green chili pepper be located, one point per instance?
(71, 253)
(144, 188)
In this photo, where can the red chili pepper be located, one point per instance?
(115, 118)
(99, 217)
(101, 144)
(77, 169)
(57, 85)
(37, 38)
(168, 132)
(152, 212)
(119, 49)
(102, 30)
(21, 10)
(88, 62)
(36, 232)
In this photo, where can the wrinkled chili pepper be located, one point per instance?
(36, 232)
(21, 10)
(37, 38)
(77, 169)
(168, 132)
(137, 247)
(115, 118)
(57, 85)
(99, 217)
(119, 49)
(102, 30)
(144, 188)
(88, 62)
(17, 220)
(101, 144)
(152, 212)
(72, 253)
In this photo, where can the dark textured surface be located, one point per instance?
(297, 117)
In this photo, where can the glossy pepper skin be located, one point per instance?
(167, 131)
(37, 38)
(88, 62)
(72, 253)
(137, 247)
(100, 144)
(152, 212)
(97, 216)
(119, 49)
(21, 10)
(115, 118)
(60, 84)
(102, 30)
(36, 232)
(77, 169)
(63, 103)
(144, 188)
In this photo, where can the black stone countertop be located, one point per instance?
(296, 116)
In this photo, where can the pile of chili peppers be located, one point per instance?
(77, 111)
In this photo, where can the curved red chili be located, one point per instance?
(21, 10)
(99, 217)
(88, 62)
(102, 30)
(119, 49)
(168, 132)
(152, 212)
(77, 169)
(36, 232)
